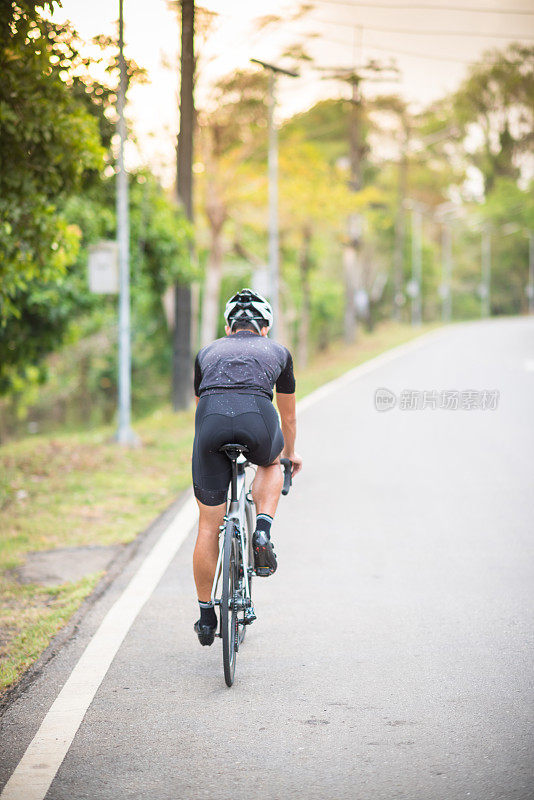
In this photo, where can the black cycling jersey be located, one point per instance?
(244, 362)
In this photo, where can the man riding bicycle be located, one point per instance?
(234, 381)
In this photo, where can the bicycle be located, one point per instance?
(235, 565)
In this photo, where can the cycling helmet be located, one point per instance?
(248, 306)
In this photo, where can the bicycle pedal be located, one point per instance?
(249, 616)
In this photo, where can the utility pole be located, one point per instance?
(125, 434)
(530, 287)
(274, 247)
(485, 287)
(181, 367)
(352, 267)
(400, 225)
(354, 223)
(446, 271)
(417, 264)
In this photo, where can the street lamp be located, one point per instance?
(125, 434)
(445, 213)
(274, 267)
(415, 285)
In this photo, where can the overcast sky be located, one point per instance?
(432, 42)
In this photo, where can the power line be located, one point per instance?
(405, 52)
(429, 32)
(428, 7)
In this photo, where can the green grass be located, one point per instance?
(334, 362)
(30, 617)
(75, 489)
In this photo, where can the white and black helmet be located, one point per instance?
(248, 306)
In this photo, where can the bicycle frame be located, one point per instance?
(235, 511)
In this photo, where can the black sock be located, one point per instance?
(263, 523)
(207, 614)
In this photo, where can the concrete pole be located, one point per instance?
(417, 265)
(274, 256)
(485, 304)
(274, 251)
(531, 272)
(124, 435)
(446, 271)
(352, 256)
(400, 229)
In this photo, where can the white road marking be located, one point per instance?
(529, 365)
(39, 765)
(41, 761)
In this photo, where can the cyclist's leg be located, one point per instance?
(211, 475)
(269, 478)
(206, 550)
(265, 442)
(267, 487)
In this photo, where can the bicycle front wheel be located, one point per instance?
(229, 620)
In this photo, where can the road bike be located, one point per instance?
(235, 565)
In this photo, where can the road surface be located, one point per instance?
(392, 658)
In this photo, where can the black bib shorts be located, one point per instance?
(231, 417)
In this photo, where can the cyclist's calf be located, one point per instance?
(266, 488)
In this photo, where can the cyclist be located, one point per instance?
(234, 381)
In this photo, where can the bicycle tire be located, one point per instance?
(249, 530)
(229, 619)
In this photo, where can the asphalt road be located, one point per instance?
(393, 653)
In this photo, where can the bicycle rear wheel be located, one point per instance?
(250, 518)
(229, 619)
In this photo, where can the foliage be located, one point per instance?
(57, 124)
(490, 118)
(47, 141)
(509, 214)
(159, 254)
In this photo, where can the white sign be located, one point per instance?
(103, 268)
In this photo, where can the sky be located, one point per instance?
(431, 42)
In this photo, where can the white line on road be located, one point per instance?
(38, 767)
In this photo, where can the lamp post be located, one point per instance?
(415, 287)
(274, 255)
(125, 434)
(485, 286)
(445, 214)
(530, 287)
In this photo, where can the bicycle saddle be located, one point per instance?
(233, 451)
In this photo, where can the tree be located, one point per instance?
(60, 202)
(314, 200)
(494, 107)
(47, 140)
(232, 136)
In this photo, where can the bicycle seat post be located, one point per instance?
(233, 451)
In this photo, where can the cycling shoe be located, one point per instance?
(205, 633)
(264, 556)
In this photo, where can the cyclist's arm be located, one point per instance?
(198, 378)
(288, 418)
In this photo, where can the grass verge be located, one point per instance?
(75, 489)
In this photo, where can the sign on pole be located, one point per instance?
(103, 268)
